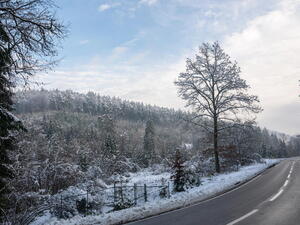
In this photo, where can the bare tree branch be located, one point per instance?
(33, 34)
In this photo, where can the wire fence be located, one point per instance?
(118, 197)
(93, 202)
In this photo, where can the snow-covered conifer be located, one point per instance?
(149, 143)
(179, 173)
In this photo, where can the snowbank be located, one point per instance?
(210, 187)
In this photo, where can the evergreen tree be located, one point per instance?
(107, 124)
(110, 146)
(9, 124)
(263, 151)
(179, 173)
(282, 149)
(149, 143)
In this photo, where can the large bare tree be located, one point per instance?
(29, 35)
(212, 86)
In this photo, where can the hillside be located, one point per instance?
(78, 140)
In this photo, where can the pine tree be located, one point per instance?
(179, 173)
(282, 149)
(8, 122)
(110, 146)
(107, 125)
(149, 143)
(264, 151)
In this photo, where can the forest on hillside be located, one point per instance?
(72, 138)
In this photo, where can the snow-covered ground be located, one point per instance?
(209, 187)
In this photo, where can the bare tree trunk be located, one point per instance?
(216, 151)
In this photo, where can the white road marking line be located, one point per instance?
(243, 217)
(284, 185)
(276, 196)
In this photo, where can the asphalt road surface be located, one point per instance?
(272, 198)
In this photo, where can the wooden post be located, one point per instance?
(87, 202)
(135, 194)
(122, 197)
(145, 192)
(115, 194)
(169, 195)
(61, 206)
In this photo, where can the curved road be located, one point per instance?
(269, 199)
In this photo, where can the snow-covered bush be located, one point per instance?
(65, 202)
(73, 201)
(193, 179)
(201, 165)
(257, 158)
(126, 203)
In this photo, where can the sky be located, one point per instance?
(135, 49)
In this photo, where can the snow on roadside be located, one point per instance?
(210, 186)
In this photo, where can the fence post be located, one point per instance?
(145, 192)
(169, 195)
(121, 192)
(115, 194)
(87, 202)
(61, 205)
(135, 194)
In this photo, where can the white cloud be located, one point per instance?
(148, 2)
(129, 80)
(106, 6)
(267, 50)
(84, 42)
(125, 47)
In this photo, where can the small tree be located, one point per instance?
(212, 86)
(109, 146)
(282, 149)
(179, 173)
(149, 143)
(83, 162)
(263, 150)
